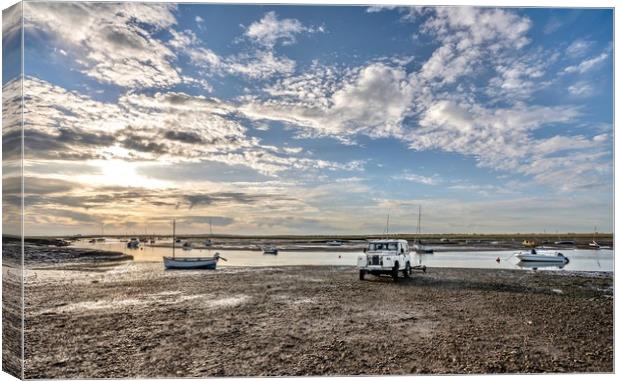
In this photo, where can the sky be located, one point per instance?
(258, 119)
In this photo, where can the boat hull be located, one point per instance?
(189, 263)
(542, 258)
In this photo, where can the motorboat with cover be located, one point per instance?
(534, 256)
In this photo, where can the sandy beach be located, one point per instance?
(125, 319)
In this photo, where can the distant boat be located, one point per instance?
(209, 242)
(133, 243)
(534, 256)
(187, 245)
(564, 242)
(594, 244)
(92, 241)
(270, 250)
(529, 243)
(419, 248)
(189, 263)
(333, 243)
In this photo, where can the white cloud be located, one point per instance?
(168, 127)
(373, 101)
(578, 48)
(581, 89)
(269, 30)
(415, 178)
(108, 40)
(587, 65)
(502, 139)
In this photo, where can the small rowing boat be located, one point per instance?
(192, 263)
(189, 263)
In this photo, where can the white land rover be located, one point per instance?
(386, 256)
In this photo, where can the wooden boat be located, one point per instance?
(189, 263)
(192, 263)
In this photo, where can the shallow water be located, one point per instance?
(580, 260)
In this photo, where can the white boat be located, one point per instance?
(207, 242)
(594, 244)
(133, 243)
(270, 250)
(534, 256)
(187, 245)
(192, 263)
(333, 243)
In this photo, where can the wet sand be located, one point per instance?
(93, 320)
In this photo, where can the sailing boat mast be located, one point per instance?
(419, 229)
(174, 231)
(387, 226)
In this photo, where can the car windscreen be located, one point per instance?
(383, 246)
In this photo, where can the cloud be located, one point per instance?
(270, 30)
(578, 48)
(426, 180)
(581, 89)
(465, 34)
(373, 101)
(587, 65)
(66, 125)
(113, 43)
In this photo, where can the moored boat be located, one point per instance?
(189, 263)
(333, 243)
(534, 256)
(192, 263)
(133, 243)
(270, 250)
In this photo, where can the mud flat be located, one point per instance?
(137, 320)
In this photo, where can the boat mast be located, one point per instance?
(387, 226)
(174, 229)
(419, 229)
(210, 228)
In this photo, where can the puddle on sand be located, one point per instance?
(163, 298)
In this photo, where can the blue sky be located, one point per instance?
(314, 119)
